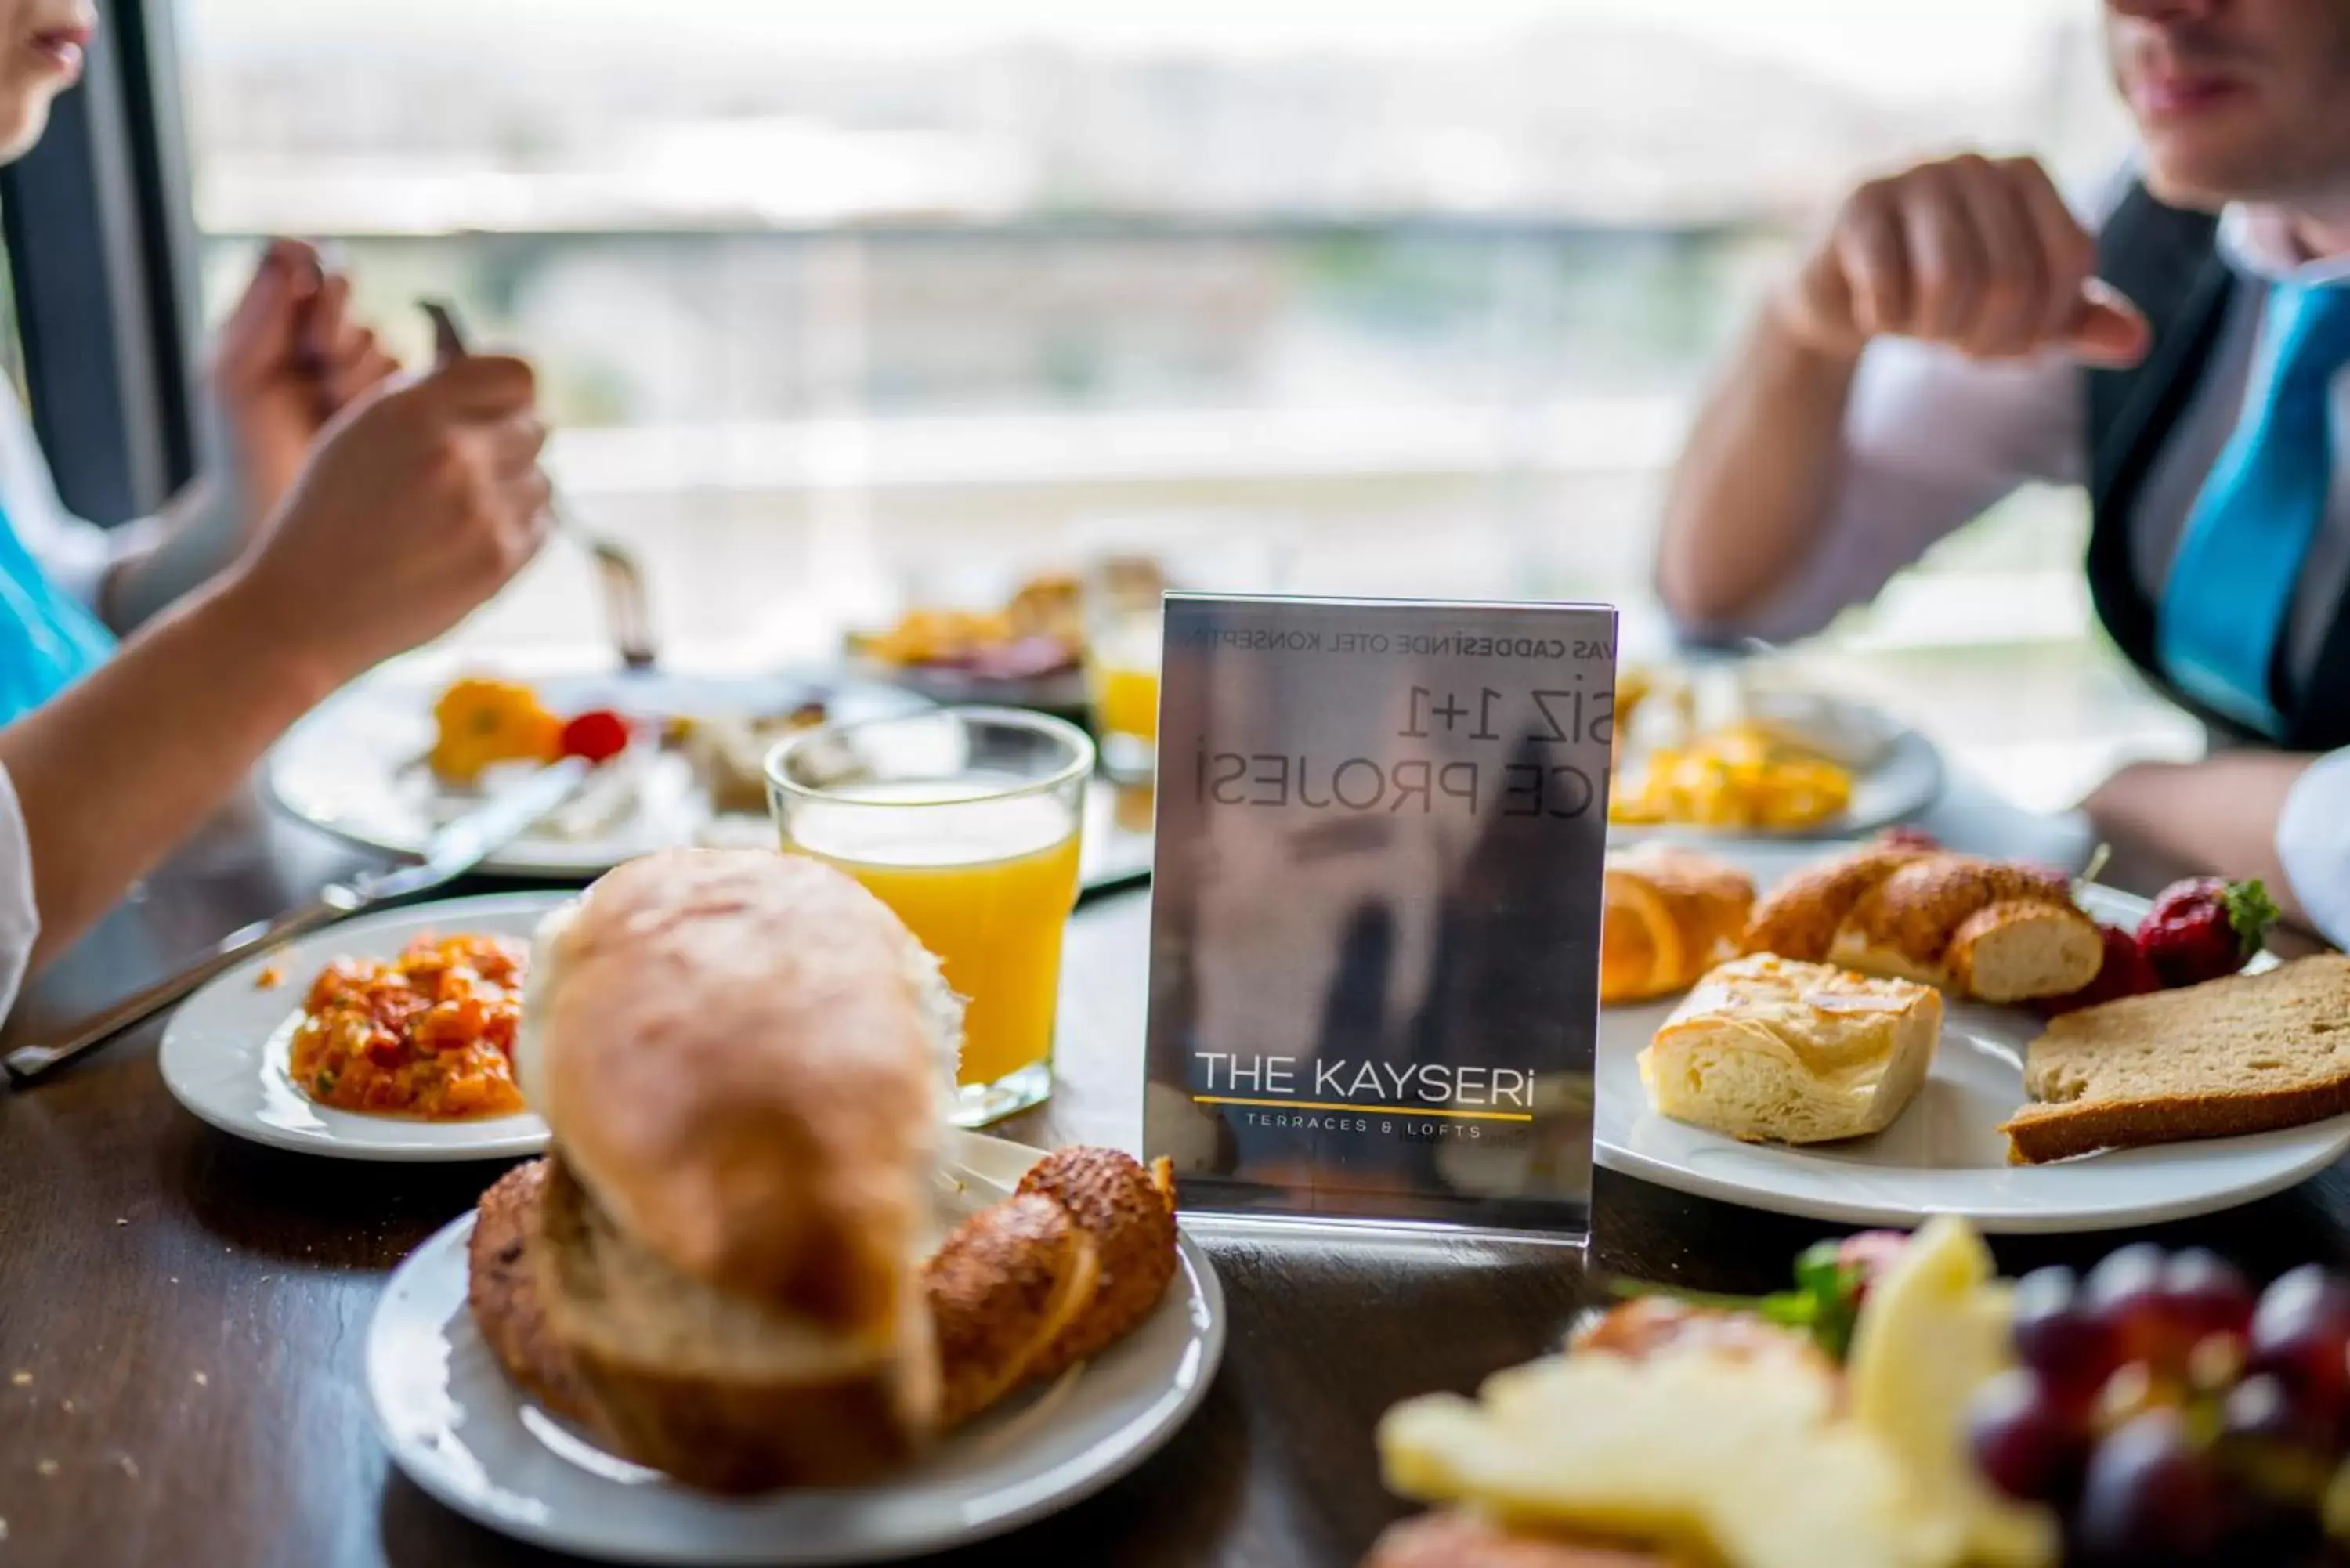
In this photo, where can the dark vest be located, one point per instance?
(2165, 259)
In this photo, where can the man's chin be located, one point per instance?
(2204, 178)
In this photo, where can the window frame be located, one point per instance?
(100, 246)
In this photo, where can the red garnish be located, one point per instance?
(599, 736)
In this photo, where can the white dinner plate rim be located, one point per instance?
(499, 1138)
(2055, 1221)
(2280, 1159)
(404, 686)
(1137, 1442)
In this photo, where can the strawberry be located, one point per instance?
(2125, 972)
(2203, 928)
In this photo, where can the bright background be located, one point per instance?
(835, 304)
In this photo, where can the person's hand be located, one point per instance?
(1978, 253)
(418, 503)
(288, 358)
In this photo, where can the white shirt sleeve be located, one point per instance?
(20, 917)
(76, 554)
(2313, 842)
(1931, 439)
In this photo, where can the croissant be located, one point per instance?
(1992, 931)
(1669, 915)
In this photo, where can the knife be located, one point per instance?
(455, 849)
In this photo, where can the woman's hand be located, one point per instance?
(289, 357)
(418, 505)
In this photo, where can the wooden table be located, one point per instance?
(182, 1314)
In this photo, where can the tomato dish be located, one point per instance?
(430, 1033)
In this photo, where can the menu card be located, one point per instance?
(1375, 905)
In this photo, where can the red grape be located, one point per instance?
(2024, 1443)
(2125, 1293)
(2071, 1351)
(2149, 1498)
(2206, 1295)
(2301, 1333)
(2262, 1409)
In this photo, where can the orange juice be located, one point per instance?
(986, 885)
(1126, 701)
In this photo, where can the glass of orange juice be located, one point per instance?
(1122, 595)
(965, 821)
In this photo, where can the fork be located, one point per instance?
(626, 616)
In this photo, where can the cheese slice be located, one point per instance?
(1933, 1330)
(1741, 1461)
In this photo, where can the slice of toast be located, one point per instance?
(2247, 1053)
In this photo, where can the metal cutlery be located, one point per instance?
(626, 612)
(456, 849)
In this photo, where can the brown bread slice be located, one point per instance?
(2244, 1054)
(1002, 1287)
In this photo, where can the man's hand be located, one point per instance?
(289, 357)
(1978, 253)
(418, 505)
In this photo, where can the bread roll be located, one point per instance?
(1007, 1283)
(738, 1054)
(1768, 1050)
(722, 1390)
(1994, 930)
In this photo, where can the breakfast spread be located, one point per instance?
(1903, 1407)
(2241, 1053)
(1785, 1447)
(1038, 631)
(731, 1267)
(1669, 915)
(1768, 1049)
(484, 726)
(2156, 1034)
(1993, 931)
(430, 1033)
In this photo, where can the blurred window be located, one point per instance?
(832, 300)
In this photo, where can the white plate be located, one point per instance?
(1903, 778)
(224, 1051)
(1945, 1154)
(354, 766)
(461, 1432)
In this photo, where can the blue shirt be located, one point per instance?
(49, 640)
